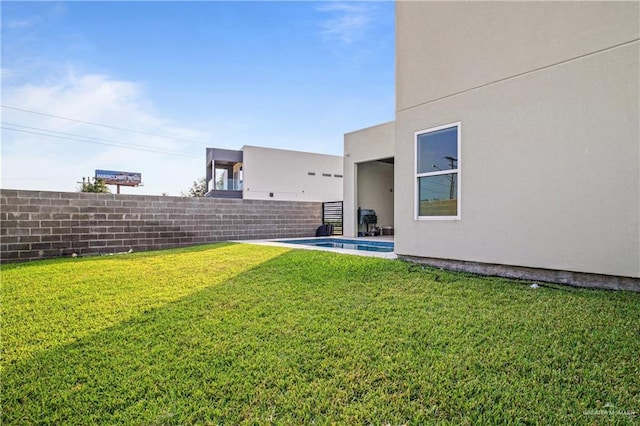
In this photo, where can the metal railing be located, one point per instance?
(332, 214)
(228, 185)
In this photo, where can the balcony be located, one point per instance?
(224, 188)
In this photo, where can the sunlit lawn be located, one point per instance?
(236, 333)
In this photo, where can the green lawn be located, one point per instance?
(236, 333)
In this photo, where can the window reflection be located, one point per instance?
(438, 195)
(438, 150)
(437, 171)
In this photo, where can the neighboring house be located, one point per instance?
(516, 147)
(256, 173)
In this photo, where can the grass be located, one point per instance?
(242, 334)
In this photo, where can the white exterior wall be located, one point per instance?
(363, 146)
(548, 99)
(285, 174)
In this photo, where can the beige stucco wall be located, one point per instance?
(286, 174)
(448, 47)
(548, 98)
(362, 146)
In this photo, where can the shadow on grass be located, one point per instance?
(53, 303)
(75, 260)
(313, 336)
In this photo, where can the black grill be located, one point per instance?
(367, 216)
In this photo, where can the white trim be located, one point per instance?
(416, 175)
(435, 129)
(437, 173)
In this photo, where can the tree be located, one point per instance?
(220, 179)
(98, 185)
(198, 188)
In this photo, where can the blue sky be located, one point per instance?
(291, 75)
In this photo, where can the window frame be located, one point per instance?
(457, 171)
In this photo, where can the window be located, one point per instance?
(438, 172)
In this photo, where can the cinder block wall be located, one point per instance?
(39, 224)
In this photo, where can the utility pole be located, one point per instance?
(451, 179)
(449, 176)
(84, 182)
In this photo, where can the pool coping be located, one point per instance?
(281, 242)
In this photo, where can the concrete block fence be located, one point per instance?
(43, 224)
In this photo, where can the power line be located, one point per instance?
(102, 143)
(98, 124)
(440, 184)
(119, 143)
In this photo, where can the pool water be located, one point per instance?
(361, 245)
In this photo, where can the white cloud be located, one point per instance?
(22, 23)
(348, 22)
(6, 74)
(46, 12)
(34, 161)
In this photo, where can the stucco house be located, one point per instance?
(515, 148)
(257, 173)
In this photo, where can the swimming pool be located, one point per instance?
(360, 245)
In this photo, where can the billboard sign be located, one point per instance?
(111, 177)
